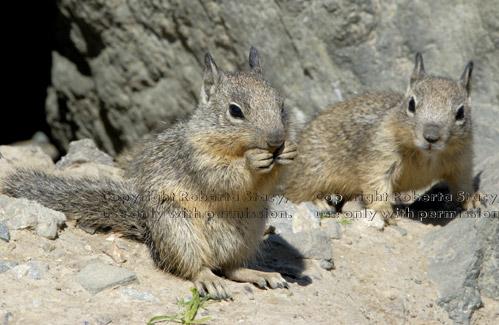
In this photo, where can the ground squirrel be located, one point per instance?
(381, 144)
(184, 189)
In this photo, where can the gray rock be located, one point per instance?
(22, 214)
(332, 228)
(488, 177)
(19, 271)
(29, 155)
(462, 262)
(488, 226)
(248, 290)
(103, 320)
(83, 151)
(327, 264)
(400, 230)
(4, 232)
(299, 228)
(132, 66)
(37, 269)
(5, 315)
(293, 218)
(5, 266)
(37, 302)
(306, 244)
(131, 294)
(34, 270)
(48, 247)
(488, 234)
(96, 277)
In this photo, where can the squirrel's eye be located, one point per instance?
(235, 111)
(412, 105)
(460, 113)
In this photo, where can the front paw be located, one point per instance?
(208, 283)
(474, 201)
(262, 279)
(271, 280)
(286, 153)
(260, 160)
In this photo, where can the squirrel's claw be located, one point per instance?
(261, 279)
(474, 202)
(272, 280)
(260, 160)
(208, 283)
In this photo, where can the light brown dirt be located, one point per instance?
(380, 277)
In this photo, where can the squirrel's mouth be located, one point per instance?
(428, 147)
(431, 147)
(276, 150)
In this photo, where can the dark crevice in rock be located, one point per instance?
(68, 125)
(66, 47)
(113, 133)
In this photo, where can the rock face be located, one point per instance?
(122, 68)
(463, 257)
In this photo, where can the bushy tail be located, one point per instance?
(102, 203)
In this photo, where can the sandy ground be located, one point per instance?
(379, 277)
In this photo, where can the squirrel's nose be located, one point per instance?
(275, 138)
(431, 133)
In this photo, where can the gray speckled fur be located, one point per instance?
(208, 153)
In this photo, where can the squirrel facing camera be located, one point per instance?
(438, 107)
(379, 144)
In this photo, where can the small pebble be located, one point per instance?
(37, 269)
(87, 229)
(4, 316)
(58, 255)
(131, 294)
(37, 302)
(5, 266)
(103, 320)
(4, 232)
(400, 230)
(48, 247)
(249, 292)
(327, 264)
(19, 271)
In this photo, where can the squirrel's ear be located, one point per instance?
(418, 71)
(254, 60)
(466, 77)
(210, 78)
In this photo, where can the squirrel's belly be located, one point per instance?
(233, 242)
